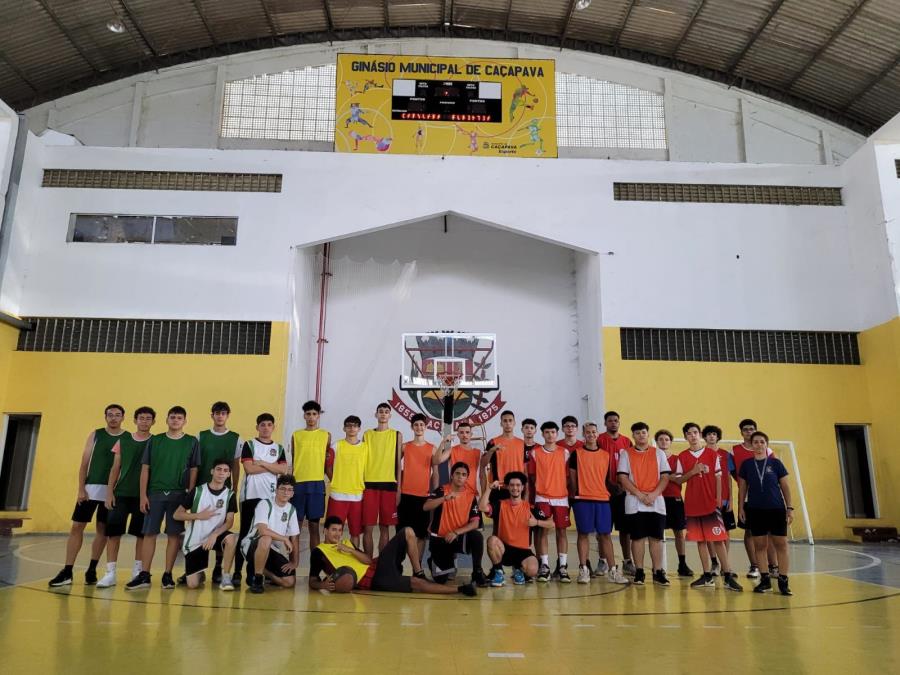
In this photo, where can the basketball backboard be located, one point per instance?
(429, 360)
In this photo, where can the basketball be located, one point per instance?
(343, 580)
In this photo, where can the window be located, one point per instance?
(117, 229)
(599, 114)
(16, 460)
(296, 105)
(856, 470)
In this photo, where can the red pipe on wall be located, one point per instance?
(323, 301)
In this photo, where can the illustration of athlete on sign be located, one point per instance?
(356, 116)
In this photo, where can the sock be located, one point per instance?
(138, 567)
(545, 560)
(714, 560)
(226, 576)
(110, 567)
(563, 559)
(68, 568)
(92, 566)
(682, 560)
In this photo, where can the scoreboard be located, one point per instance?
(447, 101)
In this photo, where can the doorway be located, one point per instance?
(20, 434)
(860, 500)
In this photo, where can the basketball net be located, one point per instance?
(448, 383)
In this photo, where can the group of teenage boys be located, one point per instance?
(525, 485)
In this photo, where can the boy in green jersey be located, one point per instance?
(123, 494)
(169, 470)
(93, 476)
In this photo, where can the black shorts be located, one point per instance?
(388, 574)
(728, 519)
(126, 510)
(84, 511)
(617, 506)
(411, 513)
(198, 559)
(444, 555)
(645, 524)
(762, 522)
(274, 562)
(514, 556)
(675, 519)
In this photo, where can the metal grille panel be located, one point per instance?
(897, 166)
(145, 336)
(783, 195)
(194, 181)
(739, 346)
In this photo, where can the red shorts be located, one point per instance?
(706, 528)
(349, 513)
(560, 514)
(379, 507)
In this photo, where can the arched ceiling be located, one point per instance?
(836, 58)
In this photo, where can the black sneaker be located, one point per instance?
(705, 581)
(731, 583)
(168, 582)
(479, 578)
(639, 576)
(468, 590)
(684, 570)
(90, 577)
(64, 578)
(236, 580)
(180, 581)
(562, 573)
(765, 585)
(255, 584)
(783, 587)
(420, 574)
(217, 574)
(660, 578)
(142, 580)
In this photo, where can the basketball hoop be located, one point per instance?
(449, 382)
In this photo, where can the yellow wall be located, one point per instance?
(70, 391)
(800, 403)
(8, 338)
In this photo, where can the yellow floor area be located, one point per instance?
(833, 623)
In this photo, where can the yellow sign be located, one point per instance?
(431, 105)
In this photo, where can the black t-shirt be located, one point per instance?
(318, 564)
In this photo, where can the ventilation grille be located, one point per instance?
(897, 166)
(145, 336)
(195, 181)
(739, 346)
(787, 195)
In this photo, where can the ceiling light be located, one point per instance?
(115, 26)
(582, 4)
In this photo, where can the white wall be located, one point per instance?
(885, 156)
(706, 121)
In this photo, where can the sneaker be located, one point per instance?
(731, 583)
(584, 575)
(563, 574)
(420, 574)
(217, 574)
(765, 585)
(639, 577)
(684, 570)
(180, 581)
(225, 584)
(108, 580)
(142, 580)
(168, 583)
(716, 569)
(660, 578)
(544, 574)
(602, 568)
(783, 587)
(467, 590)
(706, 580)
(256, 584)
(90, 577)
(518, 577)
(479, 578)
(498, 579)
(753, 573)
(236, 579)
(64, 578)
(615, 576)
(628, 568)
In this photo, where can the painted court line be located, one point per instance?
(583, 625)
(674, 625)
(325, 624)
(536, 625)
(506, 655)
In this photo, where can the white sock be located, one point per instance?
(138, 567)
(110, 567)
(545, 560)
(563, 559)
(226, 576)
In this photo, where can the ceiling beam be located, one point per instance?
(565, 30)
(825, 45)
(13, 67)
(65, 31)
(871, 84)
(621, 29)
(687, 28)
(199, 9)
(386, 10)
(328, 18)
(753, 38)
(508, 15)
(140, 31)
(269, 20)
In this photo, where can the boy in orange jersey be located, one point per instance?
(415, 482)
(504, 453)
(310, 457)
(675, 519)
(570, 433)
(462, 452)
(741, 453)
(700, 468)
(613, 442)
(644, 473)
(711, 434)
(589, 478)
(548, 465)
(454, 526)
(513, 520)
(382, 476)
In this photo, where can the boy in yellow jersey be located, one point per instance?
(310, 455)
(346, 477)
(382, 477)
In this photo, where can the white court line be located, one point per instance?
(536, 625)
(673, 625)
(506, 655)
(369, 623)
(874, 562)
(705, 626)
(626, 625)
(583, 625)
(324, 624)
(405, 623)
(499, 625)
(151, 623)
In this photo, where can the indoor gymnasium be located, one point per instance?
(534, 336)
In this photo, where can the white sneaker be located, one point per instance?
(584, 575)
(108, 580)
(602, 568)
(616, 577)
